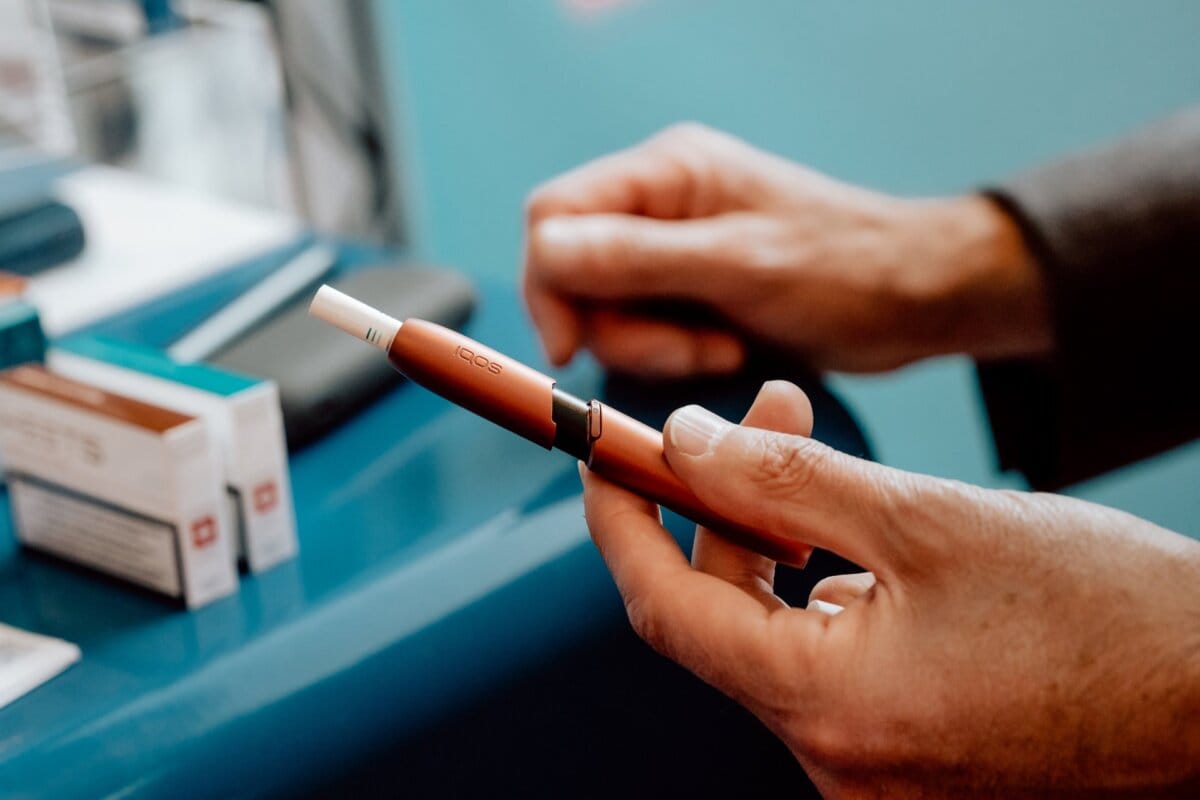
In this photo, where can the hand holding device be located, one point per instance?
(529, 404)
(1003, 643)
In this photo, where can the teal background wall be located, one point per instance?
(920, 97)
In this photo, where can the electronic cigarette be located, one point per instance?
(528, 403)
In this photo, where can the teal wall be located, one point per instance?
(916, 97)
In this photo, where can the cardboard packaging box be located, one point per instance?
(119, 485)
(245, 418)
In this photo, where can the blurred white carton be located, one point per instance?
(243, 414)
(119, 485)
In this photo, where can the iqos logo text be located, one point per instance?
(483, 362)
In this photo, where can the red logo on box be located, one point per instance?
(266, 497)
(204, 532)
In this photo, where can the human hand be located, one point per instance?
(839, 276)
(1003, 644)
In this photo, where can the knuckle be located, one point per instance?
(694, 153)
(829, 742)
(645, 618)
(685, 132)
(691, 145)
(789, 463)
(535, 247)
(538, 204)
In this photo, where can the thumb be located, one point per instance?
(794, 485)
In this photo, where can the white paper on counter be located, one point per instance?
(27, 660)
(143, 240)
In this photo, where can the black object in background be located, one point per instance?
(38, 235)
(324, 376)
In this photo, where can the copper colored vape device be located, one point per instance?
(529, 404)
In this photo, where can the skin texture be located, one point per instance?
(777, 254)
(1003, 644)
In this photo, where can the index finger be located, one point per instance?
(639, 180)
(642, 179)
(707, 625)
(648, 179)
(617, 183)
(779, 406)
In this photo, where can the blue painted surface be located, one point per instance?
(440, 556)
(921, 97)
(408, 517)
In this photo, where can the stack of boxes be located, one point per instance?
(170, 476)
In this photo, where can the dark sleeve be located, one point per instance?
(1117, 232)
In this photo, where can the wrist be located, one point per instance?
(980, 288)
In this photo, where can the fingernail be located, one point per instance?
(693, 430)
(582, 468)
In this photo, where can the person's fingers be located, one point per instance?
(659, 348)
(780, 406)
(617, 257)
(617, 183)
(573, 260)
(569, 260)
(671, 175)
(709, 626)
(842, 589)
(736, 565)
(639, 180)
(799, 487)
(557, 321)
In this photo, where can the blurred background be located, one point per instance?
(919, 98)
(414, 130)
(425, 124)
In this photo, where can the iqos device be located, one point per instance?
(528, 403)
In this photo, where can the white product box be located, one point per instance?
(122, 486)
(243, 414)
